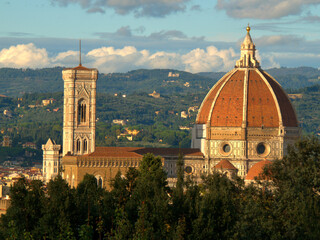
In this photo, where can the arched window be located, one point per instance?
(85, 145)
(82, 111)
(100, 182)
(78, 146)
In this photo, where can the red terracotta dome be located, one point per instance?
(265, 104)
(256, 170)
(247, 96)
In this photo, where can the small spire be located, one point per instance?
(248, 49)
(80, 52)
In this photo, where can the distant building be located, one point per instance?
(184, 128)
(133, 132)
(295, 96)
(7, 113)
(46, 102)
(192, 109)
(154, 94)
(184, 114)
(4, 205)
(119, 121)
(29, 145)
(6, 142)
(170, 74)
(51, 160)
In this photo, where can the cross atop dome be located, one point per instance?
(247, 59)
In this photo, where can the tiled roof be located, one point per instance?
(225, 164)
(256, 170)
(205, 108)
(79, 67)
(224, 104)
(227, 111)
(128, 152)
(136, 152)
(289, 117)
(171, 151)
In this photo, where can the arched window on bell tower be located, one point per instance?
(82, 111)
(78, 146)
(85, 145)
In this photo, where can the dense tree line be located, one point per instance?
(140, 205)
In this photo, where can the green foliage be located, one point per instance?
(27, 209)
(217, 211)
(297, 183)
(140, 205)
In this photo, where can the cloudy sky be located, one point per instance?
(190, 35)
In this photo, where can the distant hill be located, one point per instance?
(16, 82)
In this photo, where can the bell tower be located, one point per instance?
(79, 110)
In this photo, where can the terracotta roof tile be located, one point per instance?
(203, 115)
(80, 67)
(262, 109)
(289, 117)
(136, 152)
(256, 170)
(227, 110)
(225, 164)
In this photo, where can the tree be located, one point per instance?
(89, 204)
(60, 213)
(296, 184)
(151, 199)
(217, 211)
(25, 211)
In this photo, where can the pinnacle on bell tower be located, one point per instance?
(248, 58)
(79, 109)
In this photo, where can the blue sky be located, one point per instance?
(190, 35)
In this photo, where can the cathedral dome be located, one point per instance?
(247, 96)
(246, 117)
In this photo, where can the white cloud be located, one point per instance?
(258, 9)
(211, 59)
(24, 55)
(108, 59)
(267, 61)
(111, 59)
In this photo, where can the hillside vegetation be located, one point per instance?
(158, 120)
(16, 82)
